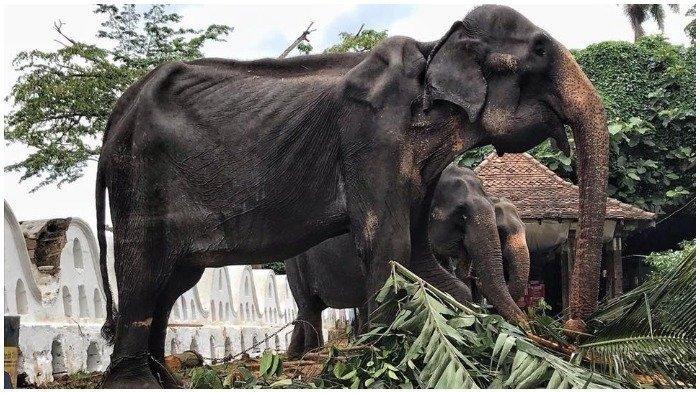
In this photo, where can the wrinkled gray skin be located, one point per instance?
(331, 275)
(214, 162)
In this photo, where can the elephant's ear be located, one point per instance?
(454, 71)
(392, 69)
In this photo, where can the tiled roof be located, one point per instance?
(538, 192)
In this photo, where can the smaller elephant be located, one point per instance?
(516, 255)
(331, 275)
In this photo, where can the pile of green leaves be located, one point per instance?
(436, 342)
(238, 376)
(650, 331)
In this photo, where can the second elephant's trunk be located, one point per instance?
(487, 265)
(517, 257)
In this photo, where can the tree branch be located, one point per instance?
(302, 37)
(57, 26)
(360, 30)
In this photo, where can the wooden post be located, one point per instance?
(616, 268)
(605, 270)
(11, 354)
(302, 37)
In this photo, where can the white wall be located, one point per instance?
(61, 315)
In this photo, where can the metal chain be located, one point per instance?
(228, 358)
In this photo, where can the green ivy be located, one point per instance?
(648, 89)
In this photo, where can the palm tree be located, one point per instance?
(640, 13)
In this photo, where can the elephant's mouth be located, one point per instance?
(548, 123)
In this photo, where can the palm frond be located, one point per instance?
(452, 345)
(649, 331)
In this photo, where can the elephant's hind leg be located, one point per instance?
(307, 335)
(296, 344)
(182, 279)
(140, 277)
(313, 333)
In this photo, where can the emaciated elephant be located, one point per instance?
(331, 275)
(214, 162)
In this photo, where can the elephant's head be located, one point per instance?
(519, 86)
(516, 255)
(464, 225)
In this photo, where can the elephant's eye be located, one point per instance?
(540, 47)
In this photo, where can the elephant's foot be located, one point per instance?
(294, 353)
(140, 371)
(305, 338)
(167, 379)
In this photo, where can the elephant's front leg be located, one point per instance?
(383, 236)
(379, 210)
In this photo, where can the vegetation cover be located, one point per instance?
(645, 338)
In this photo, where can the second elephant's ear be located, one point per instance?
(392, 69)
(454, 71)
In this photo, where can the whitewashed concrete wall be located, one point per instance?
(230, 309)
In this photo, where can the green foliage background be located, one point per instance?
(664, 262)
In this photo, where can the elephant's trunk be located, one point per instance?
(517, 256)
(583, 110)
(487, 265)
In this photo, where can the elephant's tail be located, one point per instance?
(109, 327)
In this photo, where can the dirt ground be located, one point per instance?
(305, 369)
(302, 369)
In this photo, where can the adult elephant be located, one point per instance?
(331, 275)
(213, 162)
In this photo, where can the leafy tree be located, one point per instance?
(64, 97)
(649, 92)
(277, 267)
(664, 262)
(690, 27)
(305, 48)
(640, 13)
(363, 41)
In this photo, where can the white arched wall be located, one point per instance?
(196, 312)
(266, 291)
(17, 269)
(287, 303)
(80, 272)
(245, 298)
(216, 295)
(45, 325)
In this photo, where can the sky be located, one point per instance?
(265, 31)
